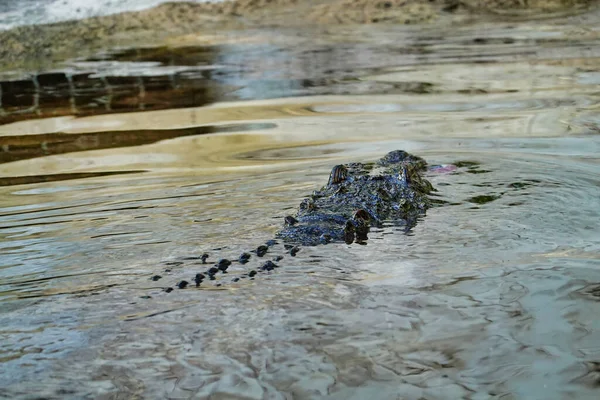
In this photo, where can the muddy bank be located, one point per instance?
(42, 46)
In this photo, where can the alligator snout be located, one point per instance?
(357, 197)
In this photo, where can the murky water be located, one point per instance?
(494, 294)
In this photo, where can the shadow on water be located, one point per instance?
(30, 146)
(26, 180)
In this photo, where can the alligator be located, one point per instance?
(357, 196)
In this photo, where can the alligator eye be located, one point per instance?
(338, 174)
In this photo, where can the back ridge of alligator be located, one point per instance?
(357, 196)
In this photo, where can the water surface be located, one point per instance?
(160, 155)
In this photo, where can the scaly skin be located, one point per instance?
(358, 196)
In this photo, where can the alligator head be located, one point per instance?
(358, 196)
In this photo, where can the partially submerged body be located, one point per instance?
(358, 196)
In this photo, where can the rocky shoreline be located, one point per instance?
(40, 47)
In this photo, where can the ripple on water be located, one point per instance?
(488, 298)
(506, 105)
(494, 293)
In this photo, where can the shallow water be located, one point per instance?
(493, 294)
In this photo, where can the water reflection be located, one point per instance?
(31, 146)
(493, 294)
(25, 180)
(103, 86)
